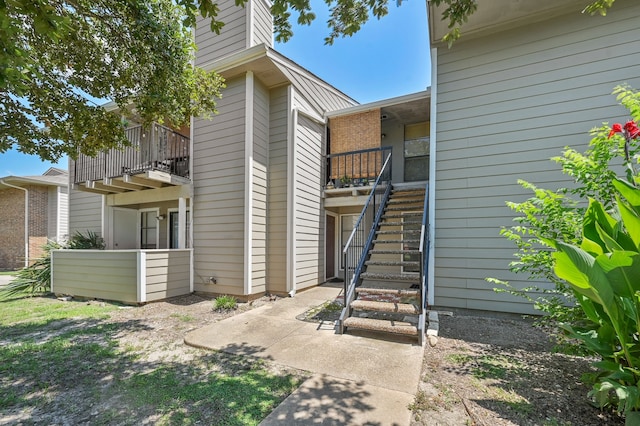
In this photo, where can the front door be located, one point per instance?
(330, 254)
(125, 229)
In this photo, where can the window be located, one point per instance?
(148, 229)
(174, 230)
(416, 160)
(416, 152)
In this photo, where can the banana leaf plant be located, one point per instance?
(604, 272)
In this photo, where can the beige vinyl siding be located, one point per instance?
(277, 181)
(308, 209)
(317, 93)
(85, 212)
(219, 184)
(110, 275)
(506, 104)
(259, 190)
(167, 274)
(262, 23)
(52, 213)
(63, 212)
(232, 37)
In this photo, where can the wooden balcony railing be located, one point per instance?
(155, 148)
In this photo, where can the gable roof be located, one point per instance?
(274, 69)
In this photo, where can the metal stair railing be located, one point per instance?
(357, 248)
(424, 267)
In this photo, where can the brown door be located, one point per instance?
(330, 254)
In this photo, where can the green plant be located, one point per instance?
(556, 215)
(90, 241)
(603, 271)
(36, 278)
(225, 303)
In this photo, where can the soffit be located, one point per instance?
(499, 15)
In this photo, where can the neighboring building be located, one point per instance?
(525, 80)
(33, 209)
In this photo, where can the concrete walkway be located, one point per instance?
(355, 379)
(6, 279)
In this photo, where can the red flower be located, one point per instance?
(616, 128)
(632, 129)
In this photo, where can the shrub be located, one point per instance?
(225, 303)
(36, 278)
(555, 215)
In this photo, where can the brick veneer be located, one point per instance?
(12, 225)
(353, 133)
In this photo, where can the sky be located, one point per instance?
(385, 59)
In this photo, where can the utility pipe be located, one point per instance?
(26, 219)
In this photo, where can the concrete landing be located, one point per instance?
(356, 379)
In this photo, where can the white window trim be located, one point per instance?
(336, 239)
(139, 226)
(169, 211)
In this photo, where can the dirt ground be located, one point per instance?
(482, 371)
(502, 371)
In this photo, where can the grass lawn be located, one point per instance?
(64, 362)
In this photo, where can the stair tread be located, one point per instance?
(394, 251)
(406, 222)
(392, 263)
(381, 290)
(399, 209)
(391, 277)
(370, 305)
(403, 215)
(406, 200)
(395, 241)
(400, 231)
(388, 326)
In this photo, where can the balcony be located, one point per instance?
(157, 156)
(351, 174)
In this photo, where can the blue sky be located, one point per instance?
(387, 58)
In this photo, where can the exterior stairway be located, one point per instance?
(387, 295)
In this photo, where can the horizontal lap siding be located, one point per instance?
(85, 212)
(96, 274)
(259, 190)
(320, 95)
(167, 274)
(277, 192)
(263, 23)
(309, 218)
(507, 103)
(218, 207)
(63, 212)
(232, 37)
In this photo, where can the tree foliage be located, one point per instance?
(57, 54)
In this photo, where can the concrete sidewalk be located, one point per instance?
(355, 379)
(6, 279)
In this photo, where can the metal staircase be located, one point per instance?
(387, 290)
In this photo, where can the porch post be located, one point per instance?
(182, 222)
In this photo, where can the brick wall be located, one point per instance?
(11, 228)
(12, 225)
(353, 133)
(38, 220)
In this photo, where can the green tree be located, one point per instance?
(58, 55)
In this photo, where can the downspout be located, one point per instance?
(26, 219)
